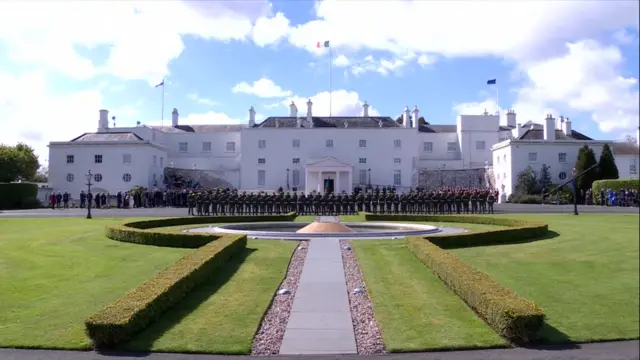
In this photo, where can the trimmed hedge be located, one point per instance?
(516, 319)
(615, 185)
(515, 230)
(141, 232)
(14, 196)
(136, 310)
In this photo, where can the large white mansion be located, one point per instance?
(310, 152)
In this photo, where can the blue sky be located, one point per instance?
(60, 62)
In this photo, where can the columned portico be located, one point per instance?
(328, 173)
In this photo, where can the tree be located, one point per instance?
(526, 182)
(42, 176)
(17, 163)
(400, 120)
(607, 169)
(422, 121)
(544, 179)
(631, 139)
(586, 159)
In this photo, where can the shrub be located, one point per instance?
(515, 230)
(525, 199)
(120, 321)
(142, 232)
(517, 319)
(15, 196)
(615, 185)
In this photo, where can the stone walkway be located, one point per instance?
(320, 319)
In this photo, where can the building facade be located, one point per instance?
(312, 153)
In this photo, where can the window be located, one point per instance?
(261, 177)
(262, 161)
(155, 160)
(633, 167)
(452, 146)
(262, 144)
(362, 175)
(97, 177)
(70, 177)
(397, 178)
(362, 143)
(480, 145)
(183, 147)
(295, 160)
(161, 162)
(533, 157)
(397, 160)
(231, 146)
(562, 175)
(497, 159)
(498, 176)
(362, 160)
(427, 147)
(97, 159)
(504, 176)
(70, 159)
(206, 146)
(397, 143)
(329, 143)
(126, 177)
(126, 158)
(295, 177)
(295, 143)
(504, 158)
(562, 157)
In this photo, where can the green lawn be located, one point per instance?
(415, 310)
(54, 273)
(586, 279)
(223, 315)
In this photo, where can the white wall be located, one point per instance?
(625, 168)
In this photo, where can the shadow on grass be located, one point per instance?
(552, 339)
(144, 341)
(442, 241)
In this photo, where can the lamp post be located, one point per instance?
(287, 178)
(369, 171)
(575, 191)
(89, 175)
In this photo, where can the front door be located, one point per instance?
(328, 186)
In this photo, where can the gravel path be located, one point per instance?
(269, 338)
(365, 325)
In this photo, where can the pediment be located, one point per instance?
(328, 162)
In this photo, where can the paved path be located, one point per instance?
(169, 212)
(320, 319)
(621, 350)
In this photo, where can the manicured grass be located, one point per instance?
(415, 310)
(54, 273)
(586, 278)
(222, 315)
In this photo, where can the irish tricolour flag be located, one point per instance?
(322, 44)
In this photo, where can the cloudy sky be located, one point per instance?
(60, 62)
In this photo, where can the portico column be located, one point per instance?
(337, 185)
(306, 180)
(350, 179)
(320, 182)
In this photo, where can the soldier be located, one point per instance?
(474, 202)
(450, 200)
(83, 199)
(199, 204)
(206, 204)
(89, 198)
(465, 202)
(482, 202)
(490, 200)
(457, 200)
(395, 198)
(65, 199)
(119, 199)
(352, 203)
(96, 200)
(367, 202)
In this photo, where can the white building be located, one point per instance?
(310, 153)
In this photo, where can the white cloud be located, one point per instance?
(381, 66)
(425, 60)
(341, 61)
(202, 101)
(475, 108)
(264, 88)
(625, 37)
(270, 30)
(343, 103)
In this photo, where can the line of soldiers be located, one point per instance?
(448, 201)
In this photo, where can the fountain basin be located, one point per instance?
(361, 230)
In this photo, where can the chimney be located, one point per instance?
(365, 110)
(406, 117)
(103, 123)
(252, 117)
(174, 117)
(516, 132)
(416, 114)
(511, 118)
(560, 123)
(309, 111)
(549, 128)
(293, 110)
(566, 127)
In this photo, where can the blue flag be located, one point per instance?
(491, 82)
(161, 84)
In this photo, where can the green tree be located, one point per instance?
(526, 182)
(544, 179)
(18, 163)
(607, 169)
(422, 121)
(586, 159)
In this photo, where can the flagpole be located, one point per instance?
(162, 115)
(497, 99)
(330, 80)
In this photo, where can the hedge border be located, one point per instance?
(515, 318)
(119, 321)
(613, 184)
(142, 231)
(515, 231)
